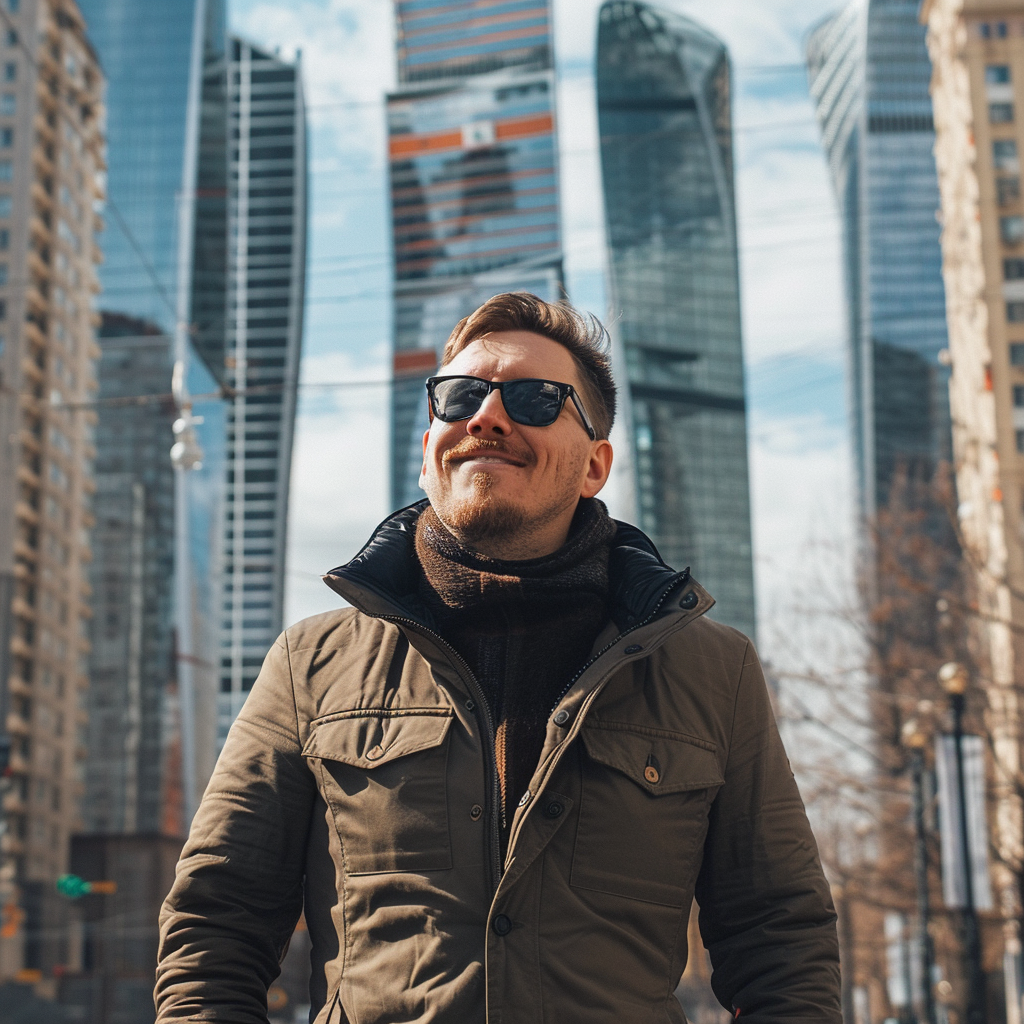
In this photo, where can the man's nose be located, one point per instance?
(490, 418)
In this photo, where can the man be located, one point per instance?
(495, 783)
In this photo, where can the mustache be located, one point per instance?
(469, 447)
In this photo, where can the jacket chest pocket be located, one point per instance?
(644, 813)
(383, 772)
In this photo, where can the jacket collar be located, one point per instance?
(382, 579)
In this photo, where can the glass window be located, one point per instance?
(1011, 230)
(1004, 155)
(985, 30)
(13, 6)
(1007, 190)
(1013, 270)
(3, 273)
(1015, 312)
(5, 206)
(1018, 396)
(12, 37)
(1000, 30)
(1020, 440)
(1017, 353)
(1000, 113)
(8, 104)
(997, 74)
(10, 71)
(6, 138)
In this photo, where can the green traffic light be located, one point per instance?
(73, 887)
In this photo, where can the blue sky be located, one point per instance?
(791, 275)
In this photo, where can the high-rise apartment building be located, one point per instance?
(51, 181)
(474, 185)
(267, 192)
(664, 107)
(869, 74)
(157, 572)
(978, 91)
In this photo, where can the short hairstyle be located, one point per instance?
(581, 333)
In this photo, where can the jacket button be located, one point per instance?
(525, 799)
(476, 812)
(501, 925)
(634, 649)
(375, 753)
(470, 705)
(689, 600)
(553, 810)
(652, 775)
(562, 717)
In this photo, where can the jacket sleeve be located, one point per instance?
(766, 913)
(237, 894)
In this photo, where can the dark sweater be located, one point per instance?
(525, 628)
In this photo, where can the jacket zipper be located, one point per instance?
(681, 577)
(492, 758)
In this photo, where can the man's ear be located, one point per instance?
(423, 467)
(598, 468)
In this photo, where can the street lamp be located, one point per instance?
(915, 740)
(953, 678)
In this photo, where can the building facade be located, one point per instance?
(474, 186)
(978, 90)
(51, 181)
(152, 732)
(267, 192)
(664, 113)
(869, 73)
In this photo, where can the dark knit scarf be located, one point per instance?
(525, 628)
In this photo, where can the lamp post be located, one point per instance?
(953, 678)
(915, 741)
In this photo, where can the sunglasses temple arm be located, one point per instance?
(583, 415)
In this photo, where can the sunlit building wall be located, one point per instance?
(167, 126)
(869, 73)
(51, 186)
(266, 274)
(978, 91)
(474, 186)
(664, 105)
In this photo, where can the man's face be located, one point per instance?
(490, 479)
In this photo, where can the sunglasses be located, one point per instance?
(530, 401)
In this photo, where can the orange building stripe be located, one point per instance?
(410, 145)
(470, 42)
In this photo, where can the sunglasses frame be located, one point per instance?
(566, 391)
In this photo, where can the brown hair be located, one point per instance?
(581, 333)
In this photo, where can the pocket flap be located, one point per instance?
(370, 737)
(656, 760)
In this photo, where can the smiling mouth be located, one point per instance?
(489, 457)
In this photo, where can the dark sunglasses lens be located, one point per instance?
(458, 399)
(535, 403)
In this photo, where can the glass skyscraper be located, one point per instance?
(474, 185)
(154, 663)
(664, 106)
(869, 75)
(266, 285)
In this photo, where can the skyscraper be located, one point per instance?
(152, 733)
(266, 275)
(664, 108)
(474, 185)
(978, 89)
(51, 182)
(869, 75)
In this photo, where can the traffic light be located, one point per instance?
(75, 887)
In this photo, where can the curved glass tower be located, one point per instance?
(664, 105)
(869, 75)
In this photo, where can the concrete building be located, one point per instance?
(664, 96)
(977, 50)
(267, 190)
(869, 73)
(474, 186)
(51, 183)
